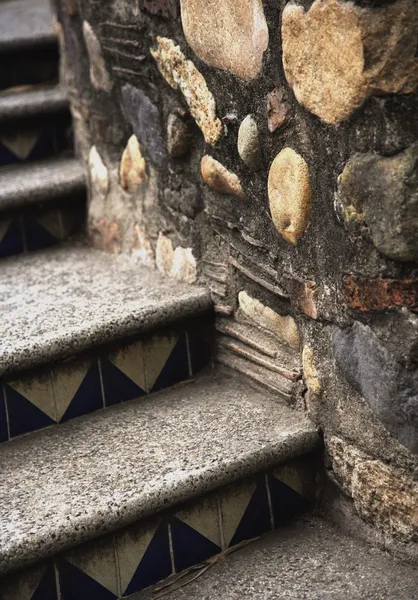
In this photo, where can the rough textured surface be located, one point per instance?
(334, 59)
(219, 178)
(310, 560)
(178, 136)
(27, 103)
(381, 193)
(25, 24)
(382, 494)
(132, 171)
(389, 387)
(181, 74)
(368, 294)
(33, 183)
(234, 36)
(290, 194)
(99, 298)
(137, 459)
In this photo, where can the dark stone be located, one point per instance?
(162, 8)
(178, 136)
(184, 200)
(389, 388)
(382, 194)
(144, 117)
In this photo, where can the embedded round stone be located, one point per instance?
(231, 35)
(132, 166)
(290, 195)
(219, 178)
(99, 175)
(249, 143)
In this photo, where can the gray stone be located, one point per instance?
(309, 559)
(178, 136)
(249, 143)
(107, 470)
(389, 388)
(57, 303)
(144, 117)
(382, 193)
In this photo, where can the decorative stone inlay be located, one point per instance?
(141, 247)
(99, 175)
(382, 193)
(178, 136)
(164, 254)
(184, 265)
(289, 194)
(99, 75)
(249, 143)
(277, 109)
(182, 74)
(132, 171)
(234, 37)
(337, 54)
(284, 327)
(381, 493)
(310, 372)
(219, 178)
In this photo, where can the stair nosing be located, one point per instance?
(259, 434)
(29, 37)
(29, 104)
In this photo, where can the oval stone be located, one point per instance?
(289, 193)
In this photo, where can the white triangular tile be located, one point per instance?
(204, 518)
(234, 501)
(20, 143)
(291, 477)
(22, 586)
(131, 546)
(38, 390)
(130, 360)
(51, 221)
(157, 351)
(66, 381)
(98, 561)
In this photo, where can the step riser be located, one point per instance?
(103, 378)
(139, 556)
(36, 228)
(37, 65)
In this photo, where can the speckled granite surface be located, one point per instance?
(25, 23)
(32, 103)
(59, 302)
(70, 484)
(34, 183)
(307, 560)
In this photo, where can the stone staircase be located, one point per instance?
(129, 452)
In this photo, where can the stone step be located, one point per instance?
(26, 24)
(29, 102)
(118, 500)
(41, 204)
(83, 330)
(310, 559)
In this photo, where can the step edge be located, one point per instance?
(295, 445)
(31, 104)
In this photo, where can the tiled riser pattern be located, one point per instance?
(39, 228)
(149, 551)
(81, 386)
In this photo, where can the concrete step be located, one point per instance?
(83, 330)
(306, 560)
(115, 501)
(26, 24)
(29, 102)
(41, 204)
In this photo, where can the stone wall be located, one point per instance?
(270, 149)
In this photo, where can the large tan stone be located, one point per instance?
(289, 194)
(337, 54)
(284, 327)
(382, 495)
(231, 35)
(217, 177)
(132, 171)
(181, 74)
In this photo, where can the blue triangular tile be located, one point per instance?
(285, 502)
(200, 349)
(155, 564)
(12, 241)
(176, 368)
(3, 422)
(7, 157)
(36, 236)
(189, 546)
(256, 518)
(88, 397)
(47, 588)
(23, 415)
(117, 386)
(76, 585)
